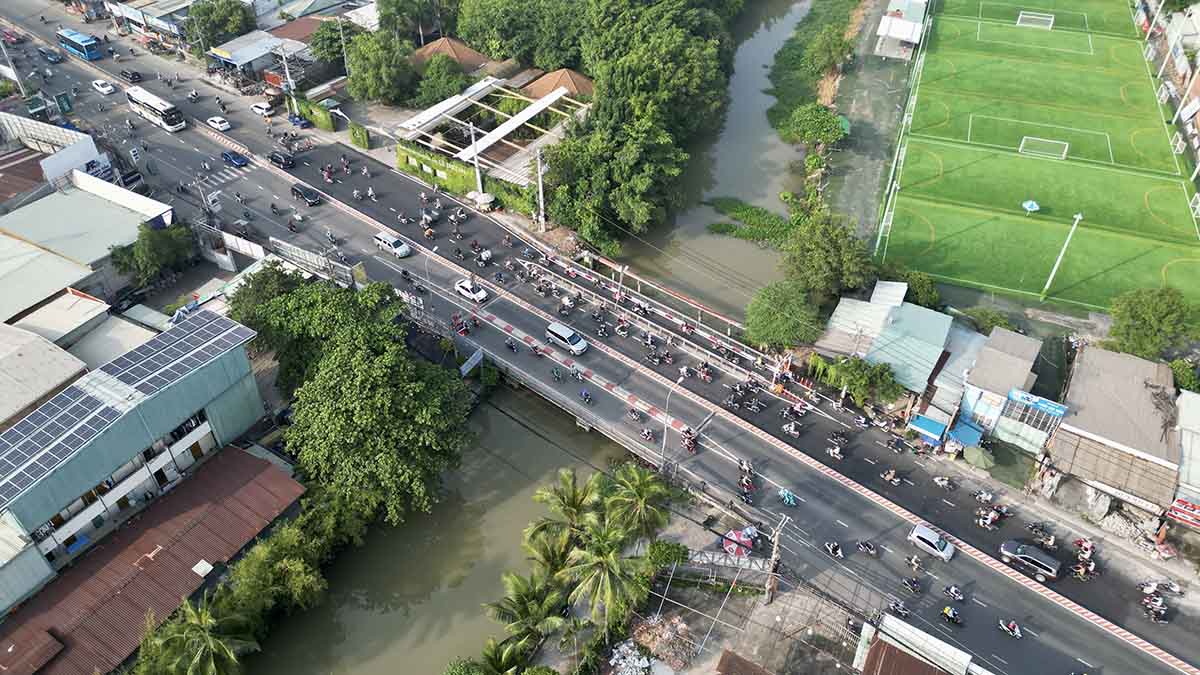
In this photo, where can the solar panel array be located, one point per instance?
(61, 426)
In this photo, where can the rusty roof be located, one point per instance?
(887, 659)
(732, 664)
(577, 84)
(91, 617)
(20, 171)
(468, 58)
(300, 29)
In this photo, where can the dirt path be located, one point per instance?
(827, 88)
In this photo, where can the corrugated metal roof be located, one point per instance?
(1111, 396)
(853, 327)
(31, 368)
(889, 293)
(97, 607)
(1094, 461)
(964, 346)
(29, 275)
(1006, 362)
(58, 223)
(887, 659)
(911, 342)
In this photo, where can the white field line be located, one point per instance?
(1166, 131)
(979, 38)
(1183, 186)
(1107, 139)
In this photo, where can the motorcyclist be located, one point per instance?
(834, 548)
(647, 434)
(238, 196)
(950, 613)
(953, 591)
(357, 194)
(913, 562)
(889, 475)
(274, 209)
(1012, 626)
(370, 192)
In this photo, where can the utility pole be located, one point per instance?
(772, 584)
(1063, 252)
(541, 194)
(475, 151)
(342, 37)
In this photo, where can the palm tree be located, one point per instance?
(573, 503)
(548, 551)
(199, 642)
(639, 500)
(571, 630)
(502, 658)
(529, 609)
(604, 578)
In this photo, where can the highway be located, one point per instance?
(842, 500)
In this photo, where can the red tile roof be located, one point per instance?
(468, 58)
(95, 610)
(300, 29)
(577, 84)
(885, 658)
(21, 170)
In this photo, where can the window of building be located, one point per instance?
(1030, 416)
(197, 451)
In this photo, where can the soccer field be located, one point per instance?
(1053, 103)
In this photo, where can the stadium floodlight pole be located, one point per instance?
(1154, 21)
(1166, 59)
(1063, 252)
(1186, 89)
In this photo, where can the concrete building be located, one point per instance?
(1118, 434)
(900, 29)
(30, 275)
(1186, 507)
(119, 437)
(32, 370)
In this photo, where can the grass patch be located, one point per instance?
(793, 84)
(1013, 465)
(753, 223)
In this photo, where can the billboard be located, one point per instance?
(1038, 403)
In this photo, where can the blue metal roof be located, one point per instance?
(966, 433)
(930, 429)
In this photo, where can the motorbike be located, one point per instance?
(511, 344)
(746, 498)
(982, 496)
(647, 435)
(1010, 628)
(897, 446)
(1048, 542)
(944, 483)
(861, 422)
(896, 607)
(786, 496)
(602, 331)
(838, 438)
(623, 329)
(891, 477)
(912, 585)
(1155, 616)
(1166, 586)
(634, 415)
(868, 548)
(556, 374)
(834, 452)
(791, 429)
(575, 373)
(953, 593)
(330, 237)
(536, 351)
(952, 617)
(834, 550)
(586, 397)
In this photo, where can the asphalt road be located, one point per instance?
(1058, 640)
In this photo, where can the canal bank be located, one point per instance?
(745, 160)
(409, 599)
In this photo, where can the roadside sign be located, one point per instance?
(63, 99)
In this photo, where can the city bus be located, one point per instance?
(80, 44)
(155, 109)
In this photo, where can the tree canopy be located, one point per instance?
(986, 319)
(1148, 321)
(827, 50)
(1186, 376)
(379, 68)
(157, 250)
(269, 282)
(327, 41)
(781, 316)
(823, 255)
(813, 124)
(443, 78)
(214, 22)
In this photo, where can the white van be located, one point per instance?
(929, 541)
(386, 241)
(566, 338)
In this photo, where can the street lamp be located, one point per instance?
(666, 419)
(427, 257)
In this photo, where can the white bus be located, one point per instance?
(155, 109)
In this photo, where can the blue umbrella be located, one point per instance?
(1030, 206)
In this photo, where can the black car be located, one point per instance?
(50, 55)
(282, 160)
(309, 195)
(131, 76)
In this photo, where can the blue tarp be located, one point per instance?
(931, 430)
(966, 433)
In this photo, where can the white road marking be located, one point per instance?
(868, 459)
(941, 628)
(1084, 662)
(843, 524)
(801, 499)
(978, 602)
(275, 197)
(999, 659)
(261, 187)
(306, 163)
(885, 548)
(948, 503)
(933, 576)
(1035, 635)
(391, 209)
(909, 482)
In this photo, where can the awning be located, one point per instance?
(899, 29)
(966, 433)
(931, 430)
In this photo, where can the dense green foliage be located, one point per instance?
(1186, 376)
(781, 316)
(379, 68)
(823, 255)
(1148, 321)
(753, 222)
(327, 41)
(863, 381)
(660, 73)
(410, 19)
(442, 78)
(986, 319)
(813, 124)
(156, 251)
(541, 33)
(214, 22)
(828, 50)
(794, 74)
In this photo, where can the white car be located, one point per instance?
(470, 290)
(263, 109)
(103, 87)
(219, 123)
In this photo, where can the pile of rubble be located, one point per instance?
(669, 640)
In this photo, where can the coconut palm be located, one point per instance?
(573, 503)
(548, 551)
(572, 629)
(530, 607)
(502, 658)
(198, 642)
(638, 501)
(604, 578)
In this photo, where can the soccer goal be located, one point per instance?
(1035, 20)
(1043, 147)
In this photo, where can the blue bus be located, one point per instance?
(80, 44)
